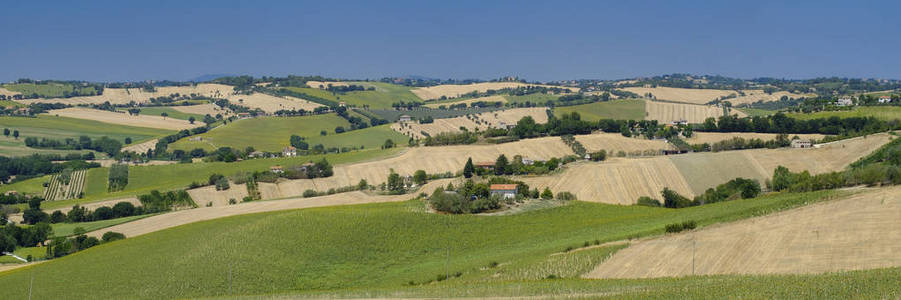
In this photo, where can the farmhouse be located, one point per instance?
(243, 115)
(801, 143)
(404, 118)
(257, 154)
(484, 164)
(885, 99)
(505, 191)
(277, 169)
(844, 101)
(289, 151)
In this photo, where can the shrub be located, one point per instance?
(672, 199)
(648, 201)
(567, 196)
(110, 236)
(547, 194)
(309, 193)
(673, 228)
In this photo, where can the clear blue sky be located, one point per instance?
(543, 40)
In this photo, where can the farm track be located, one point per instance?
(860, 231)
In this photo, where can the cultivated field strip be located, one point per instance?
(122, 118)
(617, 181)
(271, 104)
(859, 232)
(433, 160)
(495, 98)
(665, 112)
(142, 147)
(138, 95)
(455, 90)
(209, 195)
(713, 137)
(481, 121)
(615, 142)
(56, 190)
(203, 109)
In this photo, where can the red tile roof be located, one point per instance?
(496, 187)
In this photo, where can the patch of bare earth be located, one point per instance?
(122, 118)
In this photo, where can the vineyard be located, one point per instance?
(65, 185)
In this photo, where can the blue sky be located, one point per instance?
(536, 40)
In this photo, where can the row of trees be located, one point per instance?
(82, 214)
(780, 123)
(738, 188)
(103, 144)
(37, 165)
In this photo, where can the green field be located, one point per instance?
(350, 250)
(886, 113)
(32, 186)
(753, 112)
(35, 252)
(532, 98)
(614, 109)
(172, 113)
(8, 103)
(12, 147)
(384, 95)
(50, 90)
(143, 179)
(67, 229)
(62, 127)
(272, 134)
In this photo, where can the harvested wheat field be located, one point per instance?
(861, 231)
(433, 160)
(455, 90)
(481, 121)
(615, 142)
(181, 217)
(271, 104)
(203, 109)
(713, 137)
(495, 98)
(209, 196)
(707, 170)
(142, 147)
(617, 181)
(693, 96)
(122, 118)
(124, 96)
(752, 96)
(665, 112)
(324, 84)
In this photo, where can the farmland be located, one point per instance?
(271, 104)
(138, 95)
(171, 112)
(273, 133)
(713, 137)
(50, 90)
(666, 112)
(538, 98)
(372, 255)
(886, 113)
(481, 121)
(827, 237)
(693, 96)
(615, 109)
(492, 99)
(61, 189)
(382, 97)
(121, 118)
(456, 90)
(45, 126)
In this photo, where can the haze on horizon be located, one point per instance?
(535, 40)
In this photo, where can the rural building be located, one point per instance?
(289, 151)
(801, 143)
(530, 161)
(505, 191)
(885, 99)
(680, 122)
(844, 101)
(277, 169)
(244, 115)
(484, 164)
(306, 166)
(404, 118)
(257, 154)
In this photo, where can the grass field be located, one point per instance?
(754, 112)
(11, 147)
(172, 113)
(351, 249)
(614, 109)
(35, 252)
(67, 229)
(384, 95)
(62, 127)
(143, 179)
(274, 133)
(886, 113)
(10, 103)
(51, 90)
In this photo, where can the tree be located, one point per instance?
(468, 169)
(191, 119)
(395, 183)
(323, 133)
(6, 132)
(164, 115)
(547, 194)
(339, 129)
(671, 199)
(110, 236)
(298, 142)
(16, 134)
(127, 140)
(123, 209)
(362, 185)
(208, 119)
(419, 177)
(388, 144)
(501, 165)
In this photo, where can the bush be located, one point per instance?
(110, 236)
(648, 201)
(679, 227)
(547, 194)
(671, 199)
(310, 193)
(567, 196)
